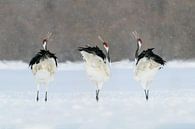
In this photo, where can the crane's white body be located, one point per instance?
(97, 70)
(145, 71)
(44, 71)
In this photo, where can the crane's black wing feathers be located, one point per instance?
(43, 54)
(150, 55)
(93, 50)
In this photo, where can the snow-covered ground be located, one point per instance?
(72, 105)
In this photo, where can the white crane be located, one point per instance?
(43, 66)
(146, 65)
(97, 64)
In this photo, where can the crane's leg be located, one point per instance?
(46, 96)
(146, 94)
(97, 95)
(46, 93)
(99, 86)
(37, 93)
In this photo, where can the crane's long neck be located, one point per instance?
(45, 46)
(137, 52)
(108, 55)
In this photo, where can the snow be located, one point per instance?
(70, 66)
(72, 105)
(13, 65)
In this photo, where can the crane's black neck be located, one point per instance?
(137, 52)
(108, 56)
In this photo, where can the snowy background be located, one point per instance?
(72, 105)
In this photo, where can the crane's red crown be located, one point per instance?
(139, 40)
(105, 44)
(44, 41)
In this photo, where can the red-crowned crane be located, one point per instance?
(146, 65)
(97, 64)
(43, 66)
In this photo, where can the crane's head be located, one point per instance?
(136, 36)
(139, 42)
(44, 44)
(105, 44)
(45, 40)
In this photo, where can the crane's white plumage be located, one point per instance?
(146, 65)
(43, 66)
(145, 71)
(44, 71)
(97, 64)
(97, 69)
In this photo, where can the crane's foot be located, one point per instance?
(37, 96)
(97, 98)
(37, 99)
(147, 98)
(146, 94)
(46, 96)
(97, 95)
